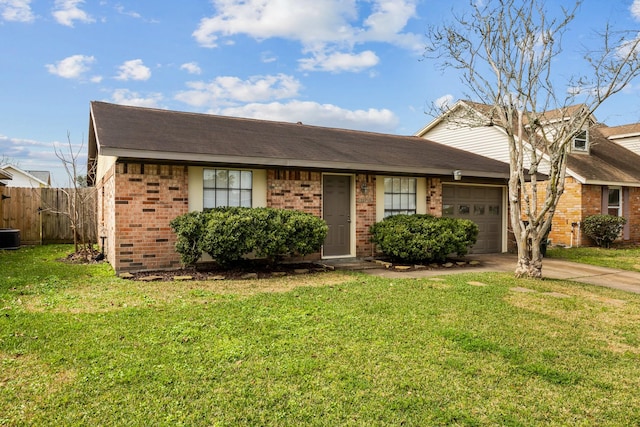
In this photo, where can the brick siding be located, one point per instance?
(365, 214)
(580, 201)
(147, 197)
(295, 189)
(137, 201)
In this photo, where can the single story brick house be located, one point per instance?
(603, 171)
(151, 165)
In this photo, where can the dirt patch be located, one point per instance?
(84, 256)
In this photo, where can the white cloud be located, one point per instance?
(445, 102)
(16, 10)
(629, 48)
(134, 70)
(127, 97)
(313, 113)
(122, 11)
(15, 149)
(67, 11)
(191, 68)
(268, 57)
(336, 62)
(635, 9)
(309, 21)
(387, 22)
(72, 67)
(319, 25)
(228, 90)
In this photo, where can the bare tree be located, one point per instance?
(81, 207)
(505, 52)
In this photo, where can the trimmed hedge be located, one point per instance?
(229, 234)
(421, 238)
(603, 229)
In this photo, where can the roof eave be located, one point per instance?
(292, 163)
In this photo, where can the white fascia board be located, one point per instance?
(624, 135)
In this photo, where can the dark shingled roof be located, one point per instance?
(606, 162)
(153, 134)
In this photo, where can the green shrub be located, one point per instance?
(229, 234)
(603, 229)
(420, 238)
(189, 228)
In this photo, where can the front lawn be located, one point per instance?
(81, 347)
(621, 258)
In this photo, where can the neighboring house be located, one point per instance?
(602, 176)
(627, 136)
(152, 165)
(29, 179)
(5, 176)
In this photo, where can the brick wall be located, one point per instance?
(634, 215)
(434, 196)
(295, 189)
(148, 197)
(365, 213)
(106, 214)
(570, 210)
(580, 201)
(591, 205)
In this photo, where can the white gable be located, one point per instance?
(630, 142)
(22, 178)
(488, 141)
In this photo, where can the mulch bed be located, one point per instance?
(243, 271)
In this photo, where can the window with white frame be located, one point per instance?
(226, 187)
(614, 206)
(581, 142)
(400, 196)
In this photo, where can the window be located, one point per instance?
(614, 206)
(399, 196)
(223, 187)
(580, 142)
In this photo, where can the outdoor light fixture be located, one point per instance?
(457, 175)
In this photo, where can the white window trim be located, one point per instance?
(586, 142)
(620, 201)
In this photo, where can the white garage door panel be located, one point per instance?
(482, 205)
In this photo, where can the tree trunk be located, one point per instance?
(529, 258)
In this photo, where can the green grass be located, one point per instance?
(621, 258)
(81, 347)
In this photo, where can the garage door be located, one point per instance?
(482, 205)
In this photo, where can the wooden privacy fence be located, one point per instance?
(43, 214)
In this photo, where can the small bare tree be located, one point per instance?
(81, 207)
(505, 52)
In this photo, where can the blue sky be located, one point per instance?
(342, 63)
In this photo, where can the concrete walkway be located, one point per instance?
(551, 268)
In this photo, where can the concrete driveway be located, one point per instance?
(551, 268)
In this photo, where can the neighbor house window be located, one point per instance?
(580, 142)
(399, 196)
(225, 187)
(614, 207)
